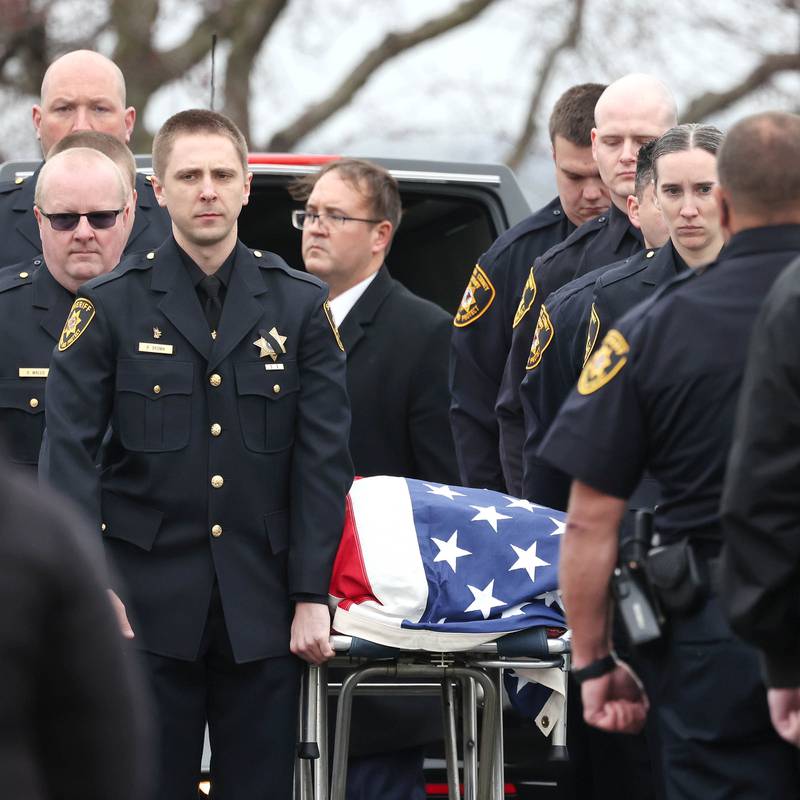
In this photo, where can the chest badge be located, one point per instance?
(265, 346)
(156, 333)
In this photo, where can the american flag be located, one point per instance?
(435, 567)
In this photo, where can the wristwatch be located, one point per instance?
(595, 669)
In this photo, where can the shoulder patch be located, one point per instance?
(478, 296)
(526, 301)
(327, 309)
(591, 333)
(610, 358)
(80, 315)
(541, 339)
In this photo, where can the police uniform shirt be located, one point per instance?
(228, 457)
(660, 392)
(33, 307)
(604, 240)
(20, 232)
(761, 502)
(481, 339)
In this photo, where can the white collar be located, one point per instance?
(343, 303)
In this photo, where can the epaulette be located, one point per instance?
(545, 217)
(6, 187)
(20, 274)
(589, 228)
(267, 260)
(142, 260)
(631, 266)
(568, 290)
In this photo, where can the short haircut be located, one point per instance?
(107, 144)
(689, 136)
(573, 114)
(81, 156)
(759, 165)
(194, 121)
(644, 169)
(371, 180)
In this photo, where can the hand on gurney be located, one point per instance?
(311, 628)
(615, 702)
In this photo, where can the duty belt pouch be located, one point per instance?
(675, 575)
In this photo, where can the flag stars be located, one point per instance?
(449, 551)
(444, 491)
(561, 526)
(514, 611)
(484, 600)
(528, 560)
(488, 514)
(516, 502)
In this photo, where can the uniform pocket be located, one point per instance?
(22, 418)
(267, 404)
(154, 404)
(129, 521)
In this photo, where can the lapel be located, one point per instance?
(662, 268)
(241, 310)
(362, 314)
(54, 300)
(23, 206)
(179, 303)
(144, 202)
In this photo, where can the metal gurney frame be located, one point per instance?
(481, 667)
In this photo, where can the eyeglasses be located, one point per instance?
(99, 220)
(302, 218)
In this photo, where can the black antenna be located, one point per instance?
(213, 65)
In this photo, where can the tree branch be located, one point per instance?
(392, 46)
(710, 103)
(569, 40)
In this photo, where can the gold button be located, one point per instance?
(215, 380)
(157, 389)
(217, 481)
(23, 274)
(276, 388)
(216, 531)
(33, 402)
(18, 181)
(151, 255)
(103, 526)
(257, 253)
(216, 429)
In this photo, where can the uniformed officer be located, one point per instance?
(483, 324)
(684, 215)
(81, 90)
(82, 209)
(221, 498)
(630, 112)
(761, 502)
(659, 395)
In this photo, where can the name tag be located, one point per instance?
(33, 372)
(152, 347)
(270, 367)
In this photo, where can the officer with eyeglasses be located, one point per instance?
(82, 208)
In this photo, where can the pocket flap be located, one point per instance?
(277, 525)
(22, 395)
(130, 521)
(253, 378)
(142, 376)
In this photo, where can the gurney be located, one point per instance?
(390, 597)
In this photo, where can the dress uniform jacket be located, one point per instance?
(660, 394)
(481, 339)
(151, 225)
(73, 712)
(761, 502)
(579, 314)
(223, 462)
(604, 240)
(33, 307)
(397, 348)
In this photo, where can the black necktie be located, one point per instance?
(213, 307)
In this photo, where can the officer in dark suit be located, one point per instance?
(221, 497)
(631, 111)
(74, 711)
(35, 296)
(659, 394)
(81, 90)
(397, 346)
(491, 307)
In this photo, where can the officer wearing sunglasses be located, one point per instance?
(82, 207)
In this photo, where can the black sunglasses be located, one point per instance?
(99, 220)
